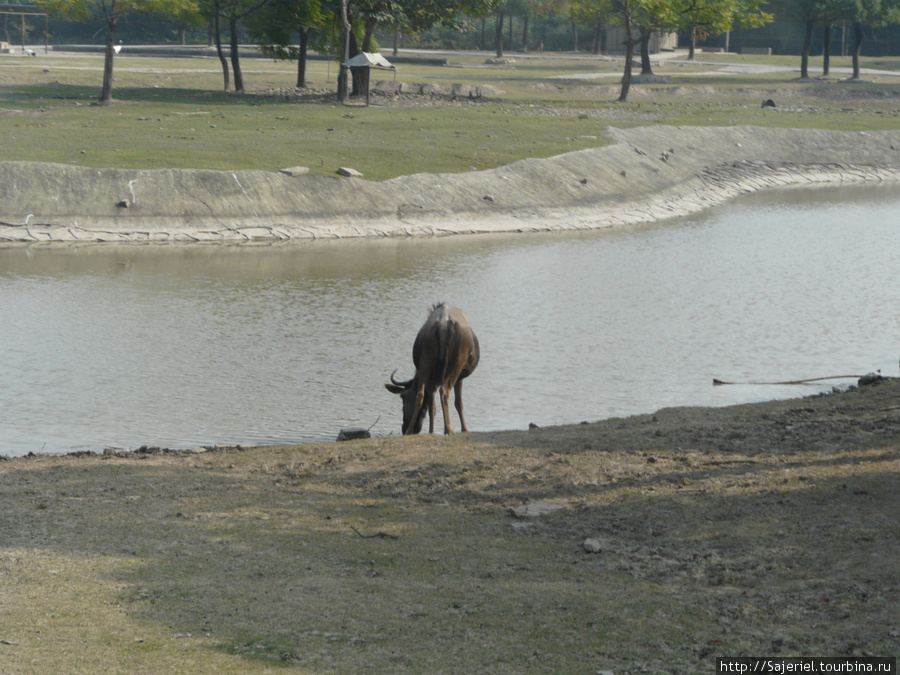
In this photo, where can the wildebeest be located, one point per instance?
(445, 352)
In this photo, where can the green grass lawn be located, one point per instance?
(172, 112)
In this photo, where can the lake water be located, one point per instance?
(109, 346)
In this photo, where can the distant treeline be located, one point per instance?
(550, 33)
(555, 33)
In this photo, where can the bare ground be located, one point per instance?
(765, 529)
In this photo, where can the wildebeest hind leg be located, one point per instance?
(459, 405)
(431, 414)
(445, 408)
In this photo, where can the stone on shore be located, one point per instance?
(353, 433)
(296, 171)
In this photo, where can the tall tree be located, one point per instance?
(654, 16)
(807, 13)
(362, 17)
(235, 11)
(229, 13)
(830, 13)
(274, 26)
(591, 13)
(346, 33)
(499, 15)
(873, 13)
(624, 14)
(702, 18)
(213, 11)
(111, 12)
(636, 17)
(525, 9)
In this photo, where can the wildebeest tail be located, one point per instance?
(446, 338)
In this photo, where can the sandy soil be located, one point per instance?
(764, 529)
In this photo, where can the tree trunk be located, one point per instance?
(595, 43)
(235, 57)
(629, 57)
(857, 47)
(483, 31)
(574, 36)
(217, 35)
(509, 40)
(106, 92)
(371, 23)
(692, 48)
(499, 35)
(396, 42)
(301, 58)
(343, 88)
(646, 68)
(826, 50)
(804, 54)
(525, 33)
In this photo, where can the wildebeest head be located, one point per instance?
(407, 392)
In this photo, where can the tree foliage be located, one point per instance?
(703, 18)
(859, 13)
(277, 22)
(402, 15)
(111, 12)
(640, 18)
(287, 28)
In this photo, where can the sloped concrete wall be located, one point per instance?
(646, 174)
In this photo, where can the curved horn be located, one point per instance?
(398, 383)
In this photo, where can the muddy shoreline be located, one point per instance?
(646, 174)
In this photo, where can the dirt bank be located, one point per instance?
(765, 529)
(648, 173)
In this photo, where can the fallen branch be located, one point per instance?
(383, 535)
(718, 383)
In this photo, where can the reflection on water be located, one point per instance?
(109, 346)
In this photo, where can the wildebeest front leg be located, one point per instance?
(459, 404)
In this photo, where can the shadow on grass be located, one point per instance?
(36, 94)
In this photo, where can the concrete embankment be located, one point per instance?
(648, 173)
